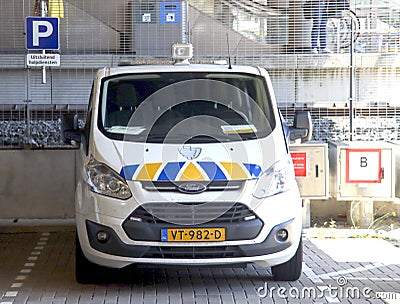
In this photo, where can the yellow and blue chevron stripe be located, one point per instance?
(191, 171)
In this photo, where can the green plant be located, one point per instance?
(376, 224)
(332, 223)
(377, 220)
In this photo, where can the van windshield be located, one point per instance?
(196, 107)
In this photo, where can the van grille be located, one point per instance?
(213, 252)
(191, 214)
(174, 186)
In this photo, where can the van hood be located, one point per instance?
(191, 162)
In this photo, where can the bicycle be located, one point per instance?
(339, 29)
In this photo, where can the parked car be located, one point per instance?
(186, 164)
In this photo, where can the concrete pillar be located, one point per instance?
(360, 213)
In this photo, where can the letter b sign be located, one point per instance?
(42, 33)
(363, 165)
(363, 162)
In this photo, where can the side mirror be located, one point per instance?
(69, 129)
(302, 126)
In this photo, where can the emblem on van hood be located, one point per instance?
(189, 152)
(192, 188)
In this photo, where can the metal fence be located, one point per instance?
(147, 27)
(362, 67)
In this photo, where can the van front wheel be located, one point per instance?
(291, 270)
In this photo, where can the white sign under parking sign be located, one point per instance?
(43, 60)
(363, 166)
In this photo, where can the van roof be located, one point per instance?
(182, 68)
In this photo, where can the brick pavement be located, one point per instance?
(38, 267)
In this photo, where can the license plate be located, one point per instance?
(193, 235)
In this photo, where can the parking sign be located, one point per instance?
(42, 33)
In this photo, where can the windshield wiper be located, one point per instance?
(160, 138)
(203, 139)
(184, 138)
(248, 136)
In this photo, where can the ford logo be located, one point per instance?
(192, 188)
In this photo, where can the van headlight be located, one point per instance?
(276, 179)
(103, 180)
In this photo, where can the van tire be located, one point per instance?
(85, 271)
(291, 270)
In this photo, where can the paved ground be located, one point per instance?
(38, 267)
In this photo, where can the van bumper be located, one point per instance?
(115, 253)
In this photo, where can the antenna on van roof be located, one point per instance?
(229, 53)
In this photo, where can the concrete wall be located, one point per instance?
(40, 184)
(37, 183)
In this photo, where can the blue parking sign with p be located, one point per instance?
(42, 33)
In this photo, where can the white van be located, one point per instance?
(186, 164)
